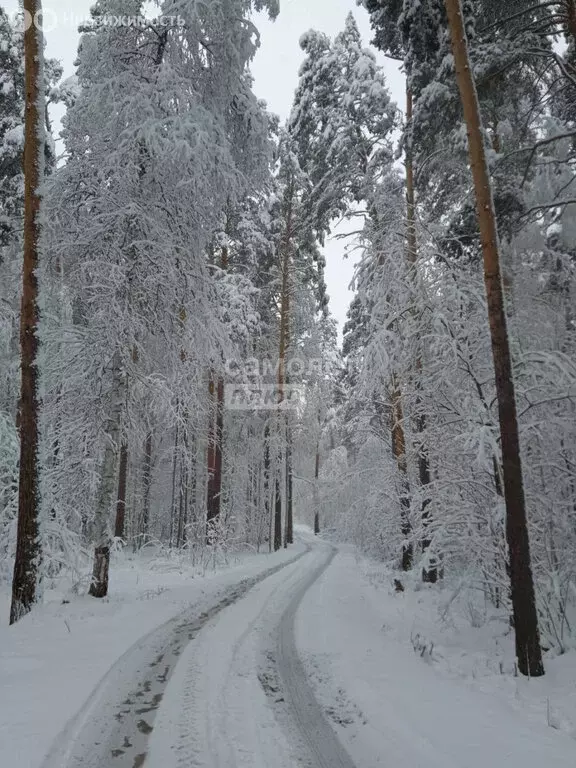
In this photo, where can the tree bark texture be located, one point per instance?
(119, 527)
(28, 541)
(399, 451)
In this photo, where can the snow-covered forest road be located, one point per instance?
(294, 666)
(213, 689)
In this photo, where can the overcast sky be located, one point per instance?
(275, 70)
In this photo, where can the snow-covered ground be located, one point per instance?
(53, 661)
(218, 711)
(303, 658)
(403, 688)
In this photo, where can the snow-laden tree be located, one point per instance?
(163, 135)
(341, 120)
(529, 146)
(528, 649)
(28, 546)
(11, 214)
(13, 195)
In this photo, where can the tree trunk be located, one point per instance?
(315, 492)
(399, 451)
(266, 486)
(289, 535)
(192, 485)
(174, 472)
(283, 346)
(183, 508)
(412, 245)
(28, 543)
(184, 487)
(528, 650)
(429, 574)
(122, 484)
(99, 583)
(215, 454)
(278, 514)
(146, 485)
(104, 502)
(571, 19)
(216, 438)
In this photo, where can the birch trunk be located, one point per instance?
(104, 502)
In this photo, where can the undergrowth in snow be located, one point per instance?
(463, 636)
(407, 678)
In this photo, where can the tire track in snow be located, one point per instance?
(216, 713)
(242, 698)
(320, 739)
(115, 733)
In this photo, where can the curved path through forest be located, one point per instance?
(223, 689)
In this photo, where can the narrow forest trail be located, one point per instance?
(320, 739)
(224, 688)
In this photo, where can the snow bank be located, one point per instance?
(403, 688)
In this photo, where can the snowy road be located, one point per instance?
(223, 689)
(393, 707)
(319, 737)
(242, 699)
(294, 667)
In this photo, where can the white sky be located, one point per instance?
(275, 71)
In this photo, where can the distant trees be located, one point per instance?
(176, 248)
(150, 194)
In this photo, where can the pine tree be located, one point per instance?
(11, 132)
(216, 436)
(11, 216)
(528, 649)
(288, 178)
(341, 120)
(28, 541)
